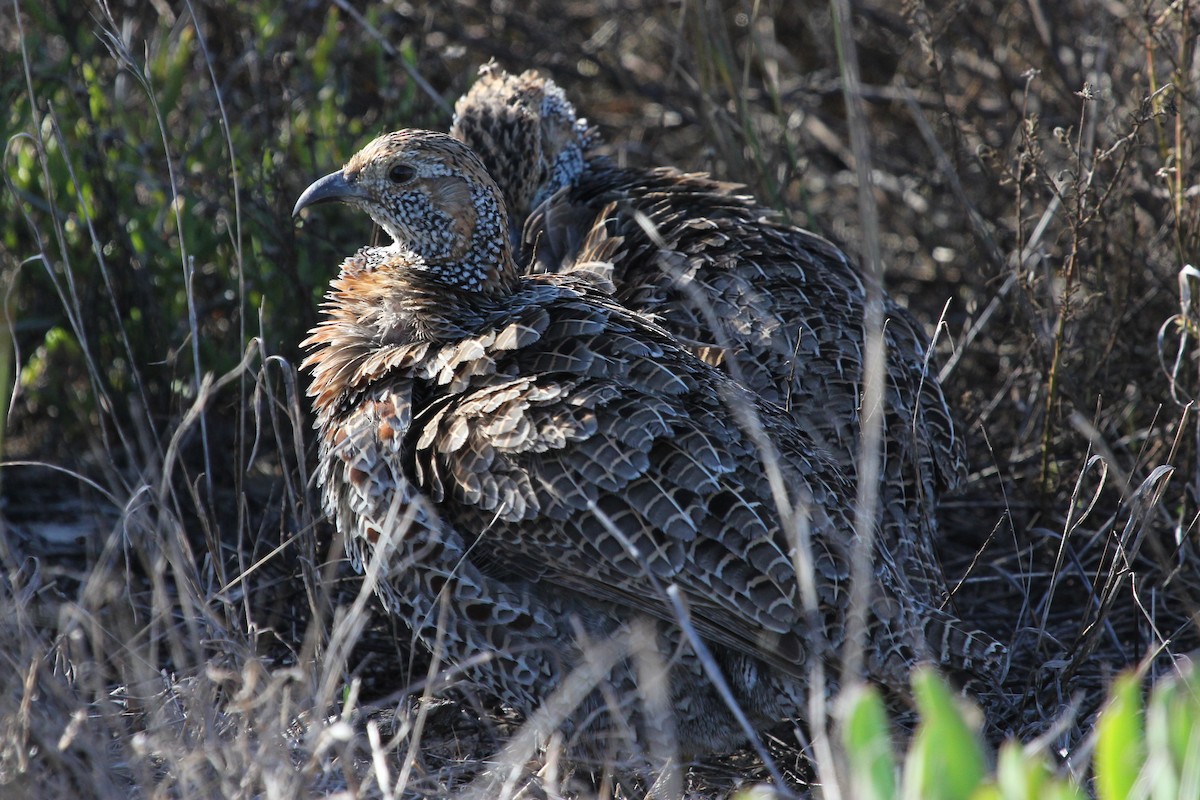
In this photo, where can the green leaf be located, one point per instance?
(988, 791)
(945, 760)
(1120, 744)
(1173, 737)
(1017, 776)
(867, 738)
(1024, 775)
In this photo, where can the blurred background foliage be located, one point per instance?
(143, 159)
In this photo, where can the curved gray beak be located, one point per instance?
(332, 187)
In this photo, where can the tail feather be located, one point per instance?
(959, 648)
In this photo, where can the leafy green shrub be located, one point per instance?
(150, 168)
(1139, 752)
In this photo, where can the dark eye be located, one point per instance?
(401, 173)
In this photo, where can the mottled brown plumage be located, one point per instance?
(530, 462)
(778, 307)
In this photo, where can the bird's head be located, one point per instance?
(526, 132)
(434, 197)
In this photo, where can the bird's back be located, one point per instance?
(778, 308)
(782, 311)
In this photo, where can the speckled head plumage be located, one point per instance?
(526, 132)
(436, 200)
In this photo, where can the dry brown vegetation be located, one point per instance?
(176, 620)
